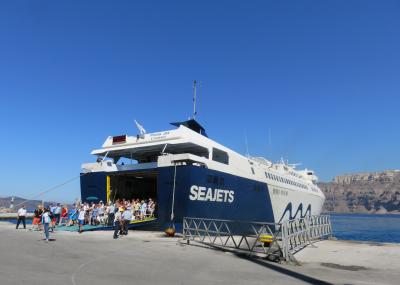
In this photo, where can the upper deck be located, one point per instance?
(148, 147)
(186, 145)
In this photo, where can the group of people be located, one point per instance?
(119, 214)
(46, 217)
(127, 211)
(106, 214)
(58, 215)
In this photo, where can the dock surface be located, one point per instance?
(150, 258)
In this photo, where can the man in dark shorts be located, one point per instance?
(118, 222)
(21, 216)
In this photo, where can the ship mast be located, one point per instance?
(194, 100)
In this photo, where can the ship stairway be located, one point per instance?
(274, 242)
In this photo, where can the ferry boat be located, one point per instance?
(191, 175)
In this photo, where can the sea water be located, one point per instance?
(366, 227)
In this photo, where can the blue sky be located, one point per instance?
(321, 77)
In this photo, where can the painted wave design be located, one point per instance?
(289, 209)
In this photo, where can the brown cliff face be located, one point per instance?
(363, 193)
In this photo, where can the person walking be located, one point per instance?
(81, 218)
(73, 216)
(127, 218)
(57, 213)
(37, 218)
(110, 214)
(46, 220)
(64, 215)
(21, 216)
(118, 222)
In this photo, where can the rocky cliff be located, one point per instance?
(377, 192)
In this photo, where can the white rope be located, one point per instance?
(51, 189)
(173, 196)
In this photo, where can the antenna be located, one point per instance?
(247, 144)
(194, 99)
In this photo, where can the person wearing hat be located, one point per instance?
(118, 222)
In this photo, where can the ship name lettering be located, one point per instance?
(200, 193)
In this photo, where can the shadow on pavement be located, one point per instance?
(269, 265)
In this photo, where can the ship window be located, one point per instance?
(209, 179)
(258, 188)
(222, 181)
(215, 180)
(220, 156)
(266, 175)
(252, 170)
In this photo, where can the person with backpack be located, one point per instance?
(46, 220)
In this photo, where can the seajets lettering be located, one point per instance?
(200, 193)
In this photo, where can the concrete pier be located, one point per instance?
(150, 258)
(13, 216)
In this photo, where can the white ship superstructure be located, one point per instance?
(210, 179)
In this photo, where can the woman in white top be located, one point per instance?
(81, 218)
(143, 210)
(46, 220)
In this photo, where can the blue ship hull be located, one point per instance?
(250, 200)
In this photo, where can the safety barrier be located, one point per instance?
(245, 236)
(274, 241)
(298, 233)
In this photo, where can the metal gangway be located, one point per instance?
(278, 242)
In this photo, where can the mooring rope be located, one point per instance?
(173, 199)
(52, 188)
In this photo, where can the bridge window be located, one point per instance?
(220, 156)
(215, 180)
(252, 170)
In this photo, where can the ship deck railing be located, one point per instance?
(276, 242)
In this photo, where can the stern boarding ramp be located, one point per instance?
(276, 242)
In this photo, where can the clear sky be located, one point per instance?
(316, 82)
